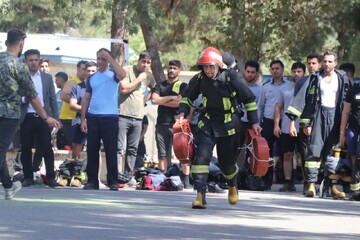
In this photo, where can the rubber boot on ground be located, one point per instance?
(233, 195)
(200, 201)
(310, 192)
(335, 193)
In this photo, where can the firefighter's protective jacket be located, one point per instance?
(220, 114)
(307, 101)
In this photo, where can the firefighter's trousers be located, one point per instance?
(227, 150)
(324, 135)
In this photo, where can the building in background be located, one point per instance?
(64, 51)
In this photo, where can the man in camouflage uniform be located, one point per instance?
(15, 82)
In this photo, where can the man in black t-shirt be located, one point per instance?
(167, 96)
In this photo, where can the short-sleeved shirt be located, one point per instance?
(132, 104)
(103, 87)
(15, 82)
(66, 113)
(166, 115)
(268, 98)
(256, 90)
(78, 92)
(353, 97)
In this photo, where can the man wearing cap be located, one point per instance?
(15, 81)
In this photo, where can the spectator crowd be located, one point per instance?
(310, 121)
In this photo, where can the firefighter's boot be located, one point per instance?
(335, 193)
(63, 180)
(233, 195)
(75, 183)
(200, 201)
(310, 192)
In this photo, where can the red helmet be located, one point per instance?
(210, 56)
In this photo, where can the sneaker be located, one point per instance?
(214, 188)
(10, 192)
(132, 182)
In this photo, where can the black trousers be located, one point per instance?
(303, 143)
(7, 130)
(33, 126)
(105, 129)
(227, 149)
(268, 133)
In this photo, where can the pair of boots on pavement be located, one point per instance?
(200, 200)
(335, 193)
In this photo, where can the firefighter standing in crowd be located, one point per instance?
(319, 104)
(219, 122)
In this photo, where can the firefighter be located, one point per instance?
(223, 93)
(319, 104)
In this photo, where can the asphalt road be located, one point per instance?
(73, 213)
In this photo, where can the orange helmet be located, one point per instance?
(210, 56)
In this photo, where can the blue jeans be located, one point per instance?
(7, 129)
(128, 140)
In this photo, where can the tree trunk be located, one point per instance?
(151, 46)
(150, 40)
(118, 30)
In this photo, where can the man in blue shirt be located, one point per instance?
(99, 118)
(266, 105)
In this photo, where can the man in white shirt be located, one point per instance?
(33, 126)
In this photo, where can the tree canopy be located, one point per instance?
(250, 29)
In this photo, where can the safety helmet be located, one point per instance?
(210, 56)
